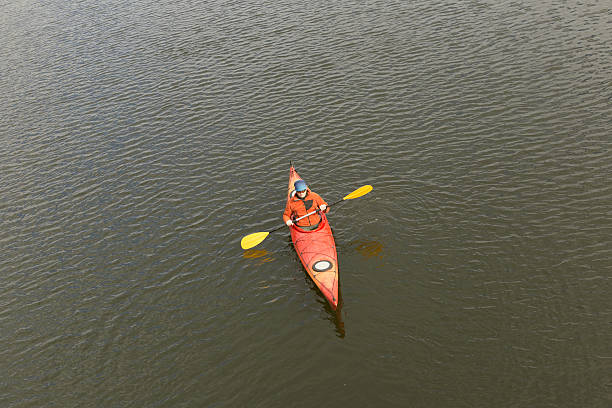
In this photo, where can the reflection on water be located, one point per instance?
(335, 316)
(369, 249)
(262, 255)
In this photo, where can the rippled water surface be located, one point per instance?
(140, 141)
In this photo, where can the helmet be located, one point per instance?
(300, 185)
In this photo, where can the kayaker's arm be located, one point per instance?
(287, 214)
(320, 202)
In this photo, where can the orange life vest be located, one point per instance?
(297, 207)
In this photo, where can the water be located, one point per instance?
(141, 140)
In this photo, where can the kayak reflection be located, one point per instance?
(336, 316)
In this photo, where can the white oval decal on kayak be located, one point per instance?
(321, 266)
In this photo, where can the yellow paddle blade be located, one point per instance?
(252, 240)
(361, 191)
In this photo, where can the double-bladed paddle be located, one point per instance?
(256, 238)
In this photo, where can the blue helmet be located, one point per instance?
(300, 185)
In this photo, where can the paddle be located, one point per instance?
(255, 239)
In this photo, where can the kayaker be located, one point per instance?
(303, 201)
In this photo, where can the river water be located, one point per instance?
(141, 140)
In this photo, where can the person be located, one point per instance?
(301, 202)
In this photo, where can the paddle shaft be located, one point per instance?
(307, 215)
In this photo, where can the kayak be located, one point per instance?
(317, 251)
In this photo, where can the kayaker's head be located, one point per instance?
(300, 188)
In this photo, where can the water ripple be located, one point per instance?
(140, 141)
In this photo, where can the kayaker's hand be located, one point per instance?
(323, 207)
(289, 223)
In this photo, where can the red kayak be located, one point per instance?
(317, 251)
